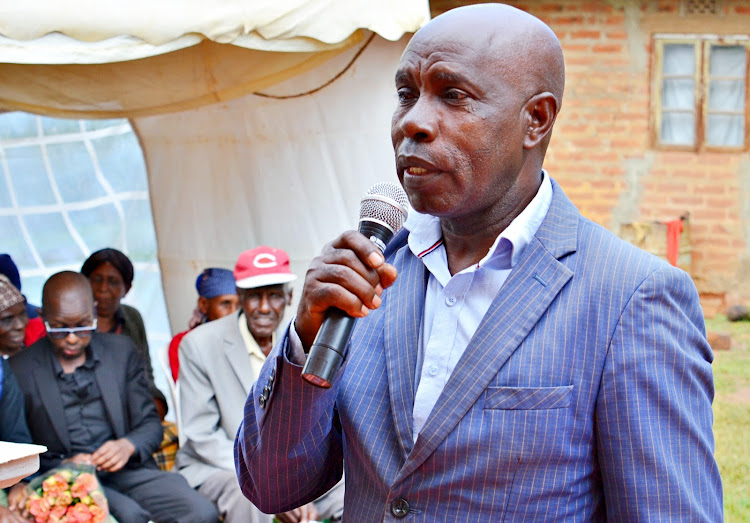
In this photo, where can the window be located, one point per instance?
(700, 93)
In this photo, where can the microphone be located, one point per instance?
(382, 212)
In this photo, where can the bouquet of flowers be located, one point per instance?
(68, 494)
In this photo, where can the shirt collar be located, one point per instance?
(425, 234)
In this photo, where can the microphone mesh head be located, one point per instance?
(385, 203)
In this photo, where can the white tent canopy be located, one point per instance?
(227, 169)
(89, 59)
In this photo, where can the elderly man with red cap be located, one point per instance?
(219, 362)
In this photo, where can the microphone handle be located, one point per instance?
(327, 352)
(329, 348)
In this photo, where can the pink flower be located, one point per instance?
(83, 484)
(38, 506)
(57, 513)
(64, 499)
(79, 513)
(98, 514)
(54, 485)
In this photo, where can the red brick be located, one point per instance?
(586, 34)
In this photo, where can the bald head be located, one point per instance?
(65, 289)
(518, 46)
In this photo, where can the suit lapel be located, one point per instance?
(106, 375)
(404, 308)
(527, 293)
(236, 352)
(49, 394)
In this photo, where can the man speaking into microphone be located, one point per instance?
(511, 360)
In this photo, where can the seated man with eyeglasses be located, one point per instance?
(88, 401)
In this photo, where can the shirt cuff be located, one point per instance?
(295, 353)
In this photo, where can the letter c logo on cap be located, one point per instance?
(265, 261)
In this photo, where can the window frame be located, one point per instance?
(702, 45)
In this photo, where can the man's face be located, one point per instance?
(218, 306)
(264, 308)
(458, 129)
(109, 288)
(13, 321)
(71, 308)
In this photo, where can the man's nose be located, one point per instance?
(420, 121)
(265, 304)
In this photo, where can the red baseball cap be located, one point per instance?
(262, 266)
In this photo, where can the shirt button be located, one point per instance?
(433, 370)
(450, 301)
(400, 508)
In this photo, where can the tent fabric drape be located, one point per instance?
(88, 59)
(260, 171)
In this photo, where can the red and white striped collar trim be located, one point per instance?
(428, 250)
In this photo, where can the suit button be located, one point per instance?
(400, 508)
(262, 401)
(273, 375)
(266, 391)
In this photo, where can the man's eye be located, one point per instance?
(405, 95)
(455, 94)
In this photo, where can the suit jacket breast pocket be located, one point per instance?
(527, 398)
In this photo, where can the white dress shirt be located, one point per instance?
(454, 305)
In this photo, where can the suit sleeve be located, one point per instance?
(293, 438)
(653, 416)
(12, 418)
(145, 430)
(201, 418)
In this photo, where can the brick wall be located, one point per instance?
(601, 149)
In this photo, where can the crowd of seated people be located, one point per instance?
(83, 387)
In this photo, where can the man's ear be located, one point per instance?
(540, 113)
(127, 290)
(289, 292)
(203, 305)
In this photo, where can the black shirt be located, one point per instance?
(85, 416)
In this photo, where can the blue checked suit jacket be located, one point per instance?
(585, 395)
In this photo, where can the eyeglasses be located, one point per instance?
(62, 332)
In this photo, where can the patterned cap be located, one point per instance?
(9, 295)
(213, 282)
(262, 266)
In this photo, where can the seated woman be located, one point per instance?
(110, 273)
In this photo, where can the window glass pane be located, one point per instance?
(52, 239)
(678, 59)
(141, 238)
(92, 125)
(726, 95)
(60, 126)
(728, 61)
(725, 130)
(678, 129)
(14, 243)
(18, 125)
(28, 174)
(88, 223)
(121, 162)
(74, 172)
(678, 93)
(5, 200)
